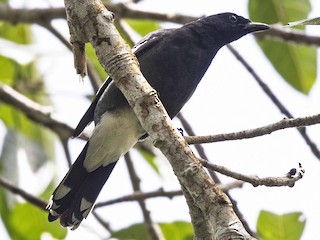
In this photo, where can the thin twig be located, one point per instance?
(256, 132)
(286, 180)
(27, 196)
(105, 224)
(160, 193)
(136, 196)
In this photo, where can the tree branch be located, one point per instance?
(287, 180)
(28, 197)
(91, 21)
(34, 111)
(45, 116)
(256, 132)
(45, 15)
(160, 193)
(289, 34)
(213, 174)
(275, 100)
(41, 15)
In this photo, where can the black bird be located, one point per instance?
(173, 61)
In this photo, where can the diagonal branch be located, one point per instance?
(275, 100)
(27, 196)
(35, 112)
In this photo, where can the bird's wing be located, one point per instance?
(144, 44)
(88, 116)
(149, 41)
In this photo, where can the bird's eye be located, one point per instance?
(233, 18)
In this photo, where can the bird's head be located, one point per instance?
(229, 27)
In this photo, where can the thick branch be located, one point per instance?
(96, 25)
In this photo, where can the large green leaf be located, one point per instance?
(272, 226)
(29, 222)
(19, 33)
(24, 78)
(177, 230)
(295, 63)
(7, 69)
(136, 231)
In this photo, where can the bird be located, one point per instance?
(173, 61)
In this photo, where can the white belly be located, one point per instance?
(113, 136)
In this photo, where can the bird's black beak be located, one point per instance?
(255, 27)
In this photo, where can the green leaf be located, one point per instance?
(29, 222)
(275, 11)
(95, 62)
(150, 159)
(4, 208)
(295, 63)
(311, 21)
(136, 231)
(24, 79)
(143, 27)
(288, 226)
(177, 230)
(19, 33)
(8, 69)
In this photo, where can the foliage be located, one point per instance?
(287, 226)
(295, 63)
(175, 230)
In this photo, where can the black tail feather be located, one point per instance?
(87, 193)
(74, 197)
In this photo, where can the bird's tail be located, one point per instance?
(74, 197)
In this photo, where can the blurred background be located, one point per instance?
(36, 62)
